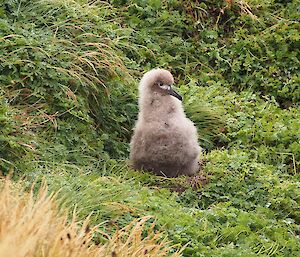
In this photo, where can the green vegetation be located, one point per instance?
(68, 101)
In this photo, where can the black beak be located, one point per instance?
(174, 93)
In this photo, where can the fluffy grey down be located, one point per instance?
(164, 140)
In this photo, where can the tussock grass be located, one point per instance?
(62, 64)
(69, 42)
(209, 122)
(33, 226)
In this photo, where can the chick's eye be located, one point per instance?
(165, 87)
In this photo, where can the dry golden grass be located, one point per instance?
(34, 226)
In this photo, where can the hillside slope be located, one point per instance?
(68, 102)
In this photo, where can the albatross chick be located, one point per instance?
(164, 140)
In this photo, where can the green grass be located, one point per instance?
(68, 102)
(245, 209)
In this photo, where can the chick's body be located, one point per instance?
(164, 140)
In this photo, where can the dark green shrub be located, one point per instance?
(14, 140)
